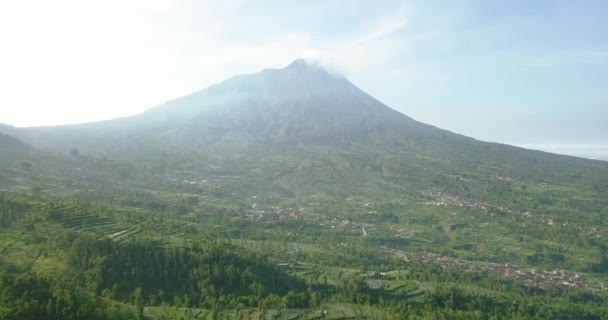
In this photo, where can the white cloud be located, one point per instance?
(70, 61)
(372, 45)
(66, 61)
(384, 26)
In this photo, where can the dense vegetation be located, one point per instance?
(175, 255)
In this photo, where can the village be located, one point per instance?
(540, 278)
(444, 199)
(275, 214)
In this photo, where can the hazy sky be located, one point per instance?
(517, 71)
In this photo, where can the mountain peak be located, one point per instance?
(301, 64)
(301, 67)
(304, 69)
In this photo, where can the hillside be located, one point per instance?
(301, 102)
(293, 113)
(301, 178)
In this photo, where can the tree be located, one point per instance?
(138, 300)
(36, 190)
(114, 291)
(25, 165)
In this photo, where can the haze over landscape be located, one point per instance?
(203, 160)
(524, 73)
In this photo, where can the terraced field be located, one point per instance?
(326, 311)
(73, 218)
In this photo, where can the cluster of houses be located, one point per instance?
(444, 199)
(515, 181)
(539, 278)
(505, 179)
(531, 277)
(457, 177)
(589, 232)
(343, 224)
(275, 214)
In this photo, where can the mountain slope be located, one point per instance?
(11, 144)
(301, 112)
(297, 103)
(309, 142)
(293, 190)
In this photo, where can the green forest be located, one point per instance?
(121, 251)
